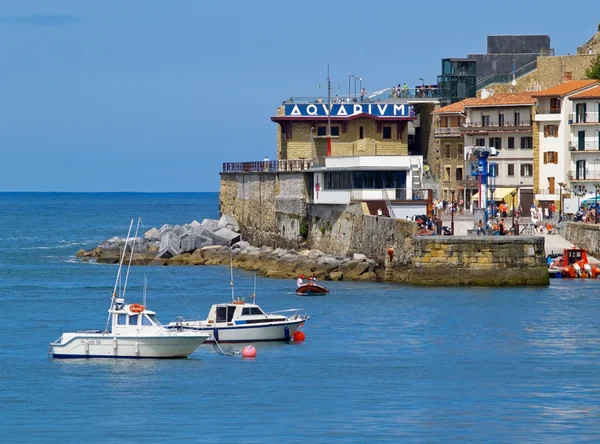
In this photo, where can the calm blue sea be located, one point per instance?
(381, 363)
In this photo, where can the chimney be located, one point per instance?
(567, 76)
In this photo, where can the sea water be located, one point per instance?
(381, 362)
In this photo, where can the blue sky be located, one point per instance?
(155, 95)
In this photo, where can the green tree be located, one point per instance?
(593, 72)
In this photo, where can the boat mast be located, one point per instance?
(114, 293)
(131, 256)
(329, 112)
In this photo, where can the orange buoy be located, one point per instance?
(249, 352)
(299, 336)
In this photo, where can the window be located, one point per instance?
(345, 180)
(550, 130)
(459, 174)
(446, 151)
(122, 319)
(361, 133)
(154, 319)
(479, 142)
(335, 131)
(146, 321)
(133, 319)
(580, 114)
(511, 143)
(551, 157)
(485, 120)
(517, 119)
(321, 131)
(526, 170)
(510, 169)
(551, 185)
(496, 142)
(447, 173)
(387, 132)
(526, 143)
(501, 120)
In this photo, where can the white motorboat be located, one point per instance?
(239, 321)
(134, 332)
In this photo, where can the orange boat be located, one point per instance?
(573, 264)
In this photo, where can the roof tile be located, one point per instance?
(563, 89)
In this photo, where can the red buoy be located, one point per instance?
(249, 352)
(299, 336)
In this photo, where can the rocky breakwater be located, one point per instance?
(217, 242)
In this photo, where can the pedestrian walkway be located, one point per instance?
(553, 243)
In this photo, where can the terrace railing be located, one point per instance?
(268, 166)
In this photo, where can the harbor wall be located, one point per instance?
(478, 260)
(583, 235)
(271, 210)
(270, 207)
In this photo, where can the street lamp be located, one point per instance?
(452, 191)
(560, 215)
(513, 193)
(492, 207)
(349, 89)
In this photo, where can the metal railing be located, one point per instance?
(373, 97)
(507, 77)
(268, 166)
(447, 132)
(592, 173)
(548, 110)
(588, 145)
(590, 117)
(494, 124)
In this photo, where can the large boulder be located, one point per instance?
(166, 228)
(114, 243)
(225, 237)
(138, 244)
(170, 245)
(210, 224)
(189, 242)
(151, 234)
(228, 222)
(360, 268)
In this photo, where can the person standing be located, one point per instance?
(480, 228)
(300, 281)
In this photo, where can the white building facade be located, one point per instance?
(558, 158)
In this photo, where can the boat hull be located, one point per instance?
(277, 331)
(311, 290)
(107, 346)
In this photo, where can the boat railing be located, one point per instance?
(296, 313)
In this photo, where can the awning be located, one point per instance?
(499, 194)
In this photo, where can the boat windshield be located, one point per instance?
(252, 311)
(574, 256)
(147, 318)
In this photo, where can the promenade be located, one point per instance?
(554, 243)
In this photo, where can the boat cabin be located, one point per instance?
(129, 316)
(573, 255)
(239, 312)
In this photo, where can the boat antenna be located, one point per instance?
(145, 287)
(131, 256)
(254, 292)
(114, 293)
(231, 278)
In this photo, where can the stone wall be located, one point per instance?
(269, 207)
(586, 236)
(344, 230)
(478, 260)
(552, 69)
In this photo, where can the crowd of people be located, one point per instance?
(402, 90)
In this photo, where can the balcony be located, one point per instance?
(590, 174)
(548, 110)
(588, 145)
(584, 119)
(489, 126)
(448, 132)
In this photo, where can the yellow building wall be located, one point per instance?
(305, 144)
